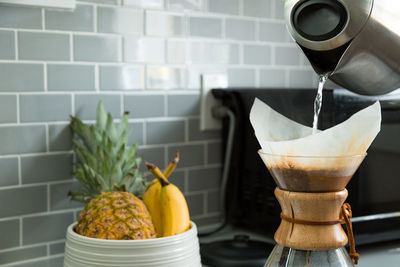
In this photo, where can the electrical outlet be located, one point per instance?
(208, 82)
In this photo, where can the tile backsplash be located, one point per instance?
(143, 56)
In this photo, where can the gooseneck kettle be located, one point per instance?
(356, 41)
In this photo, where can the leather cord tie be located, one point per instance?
(345, 216)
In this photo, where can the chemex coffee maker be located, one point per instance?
(355, 43)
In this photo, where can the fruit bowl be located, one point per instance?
(180, 250)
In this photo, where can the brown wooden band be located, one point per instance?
(306, 222)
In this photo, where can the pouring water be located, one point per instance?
(318, 100)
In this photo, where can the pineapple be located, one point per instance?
(109, 171)
(116, 215)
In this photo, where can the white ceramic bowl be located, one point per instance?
(174, 251)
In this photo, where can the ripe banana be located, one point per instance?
(152, 195)
(152, 200)
(174, 210)
(166, 203)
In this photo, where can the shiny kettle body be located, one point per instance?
(356, 41)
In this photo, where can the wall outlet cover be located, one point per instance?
(208, 82)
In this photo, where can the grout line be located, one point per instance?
(95, 18)
(205, 154)
(48, 197)
(16, 44)
(18, 109)
(20, 232)
(71, 47)
(39, 244)
(257, 30)
(273, 13)
(172, 65)
(36, 154)
(144, 15)
(241, 8)
(37, 214)
(223, 28)
(47, 137)
(48, 249)
(97, 77)
(43, 19)
(153, 119)
(195, 38)
(32, 260)
(45, 77)
(206, 6)
(73, 104)
(120, 49)
(19, 170)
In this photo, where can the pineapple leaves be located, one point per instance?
(101, 116)
(80, 195)
(104, 161)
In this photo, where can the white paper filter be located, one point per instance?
(282, 136)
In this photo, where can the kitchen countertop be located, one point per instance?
(382, 255)
(373, 255)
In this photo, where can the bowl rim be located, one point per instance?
(261, 152)
(186, 234)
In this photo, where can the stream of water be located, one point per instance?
(318, 101)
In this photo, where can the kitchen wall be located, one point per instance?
(144, 56)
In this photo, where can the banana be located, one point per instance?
(152, 200)
(165, 202)
(174, 210)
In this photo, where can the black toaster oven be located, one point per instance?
(374, 191)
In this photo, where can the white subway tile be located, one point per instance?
(119, 20)
(176, 51)
(241, 78)
(198, 5)
(165, 78)
(272, 78)
(165, 24)
(205, 27)
(257, 8)
(257, 54)
(214, 53)
(144, 49)
(144, 3)
(240, 29)
(224, 6)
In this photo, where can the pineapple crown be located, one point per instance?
(104, 160)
